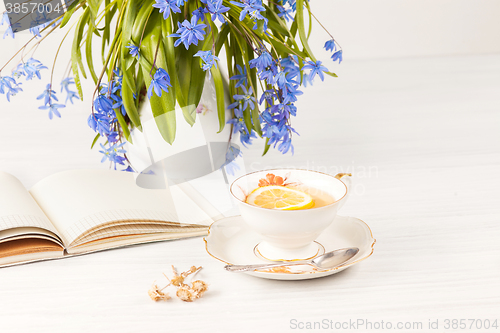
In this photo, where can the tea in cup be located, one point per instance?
(289, 209)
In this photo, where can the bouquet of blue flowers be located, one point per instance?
(163, 49)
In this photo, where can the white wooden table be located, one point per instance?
(422, 137)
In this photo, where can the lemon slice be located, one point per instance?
(279, 197)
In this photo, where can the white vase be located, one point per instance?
(196, 151)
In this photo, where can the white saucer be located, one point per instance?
(231, 241)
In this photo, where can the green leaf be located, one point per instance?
(275, 22)
(123, 125)
(219, 93)
(299, 18)
(94, 7)
(68, 14)
(183, 59)
(74, 68)
(163, 107)
(266, 147)
(221, 38)
(310, 20)
(76, 56)
(164, 117)
(114, 57)
(129, 102)
(168, 42)
(127, 25)
(95, 140)
(198, 75)
(140, 20)
(293, 28)
(76, 53)
(88, 53)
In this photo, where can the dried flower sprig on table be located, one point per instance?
(185, 292)
(157, 294)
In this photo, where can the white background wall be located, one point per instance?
(406, 28)
(403, 28)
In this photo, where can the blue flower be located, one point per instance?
(281, 78)
(253, 9)
(337, 56)
(32, 67)
(112, 153)
(113, 137)
(330, 45)
(165, 6)
(117, 77)
(18, 71)
(268, 96)
(263, 61)
(209, 60)
(247, 98)
(286, 13)
(238, 122)
(290, 92)
(66, 82)
(230, 165)
(103, 120)
(242, 77)
(290, 65)
(278, 132)
(133, 50)
(286, 144)
(71, 95)
(39, 22)
(52, 109)
(5, 19)
(189, 32)
(13, 92)
(101, 123)
(306, 81)
(9, 86)
(129, 169)
(246, 138)
(109, 90)
(103, 104)
(292, 3)
(160, 81)
(11, 28)
(316, 68)
(199, 13)
(9, 83)
(48, 95)
(35, 30)
(216, 8)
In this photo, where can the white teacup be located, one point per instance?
(290, 234)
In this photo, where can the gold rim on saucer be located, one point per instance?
(321, 250)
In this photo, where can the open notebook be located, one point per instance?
(82, 211)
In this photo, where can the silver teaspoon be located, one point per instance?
(325, 261)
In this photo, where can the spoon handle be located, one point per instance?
(246, 268)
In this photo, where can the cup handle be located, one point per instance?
(348, 183)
